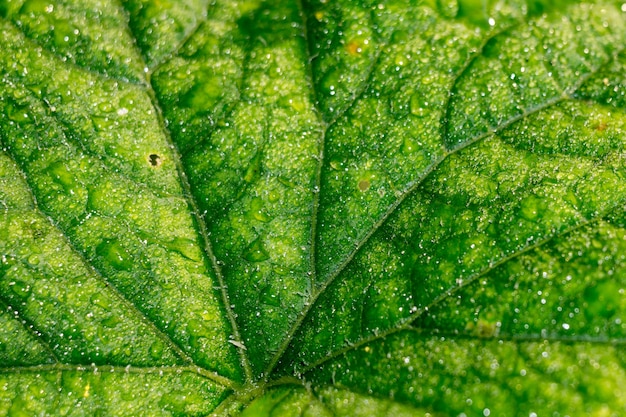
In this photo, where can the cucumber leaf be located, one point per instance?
(312, 208)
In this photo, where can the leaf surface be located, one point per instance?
(312, 208)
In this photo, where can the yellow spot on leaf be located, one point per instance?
(354, 48)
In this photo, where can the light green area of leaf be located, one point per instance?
(312, 208)
(106, 391)
(325, 402)
(88, 33)
(85, 146)
(58, 299)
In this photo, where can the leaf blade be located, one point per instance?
(387, 268)
(253, 175)
(385, 280)
(107, 210)
(113, 392)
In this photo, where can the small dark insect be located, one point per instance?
(155, 160)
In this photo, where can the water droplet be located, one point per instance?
(19, 288)
(33, 259)
(448, 8)
(257, 211)
(101, 301)
(111, 321)
(36, 7)
(253, 173)
(410, 146)
(19, 114)
(256, 252)
(418, 105)
(156, 349)
(62, 176)
(105, 107)
(101, 123)
(329, 82)
(185, 247)
(115, 254)
(204, 94)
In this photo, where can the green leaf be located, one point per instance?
(315, 208)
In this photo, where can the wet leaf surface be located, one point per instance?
(312, 208)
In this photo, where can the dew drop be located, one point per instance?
(257, 211)
(156, 349)
(114, 254)
(418, 105)
(256, 252)
(448, 8)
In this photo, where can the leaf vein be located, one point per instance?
(70, 63)
(132, 307)
(406, 323)
(29, 326)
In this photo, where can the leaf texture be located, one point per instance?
(312, 208)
